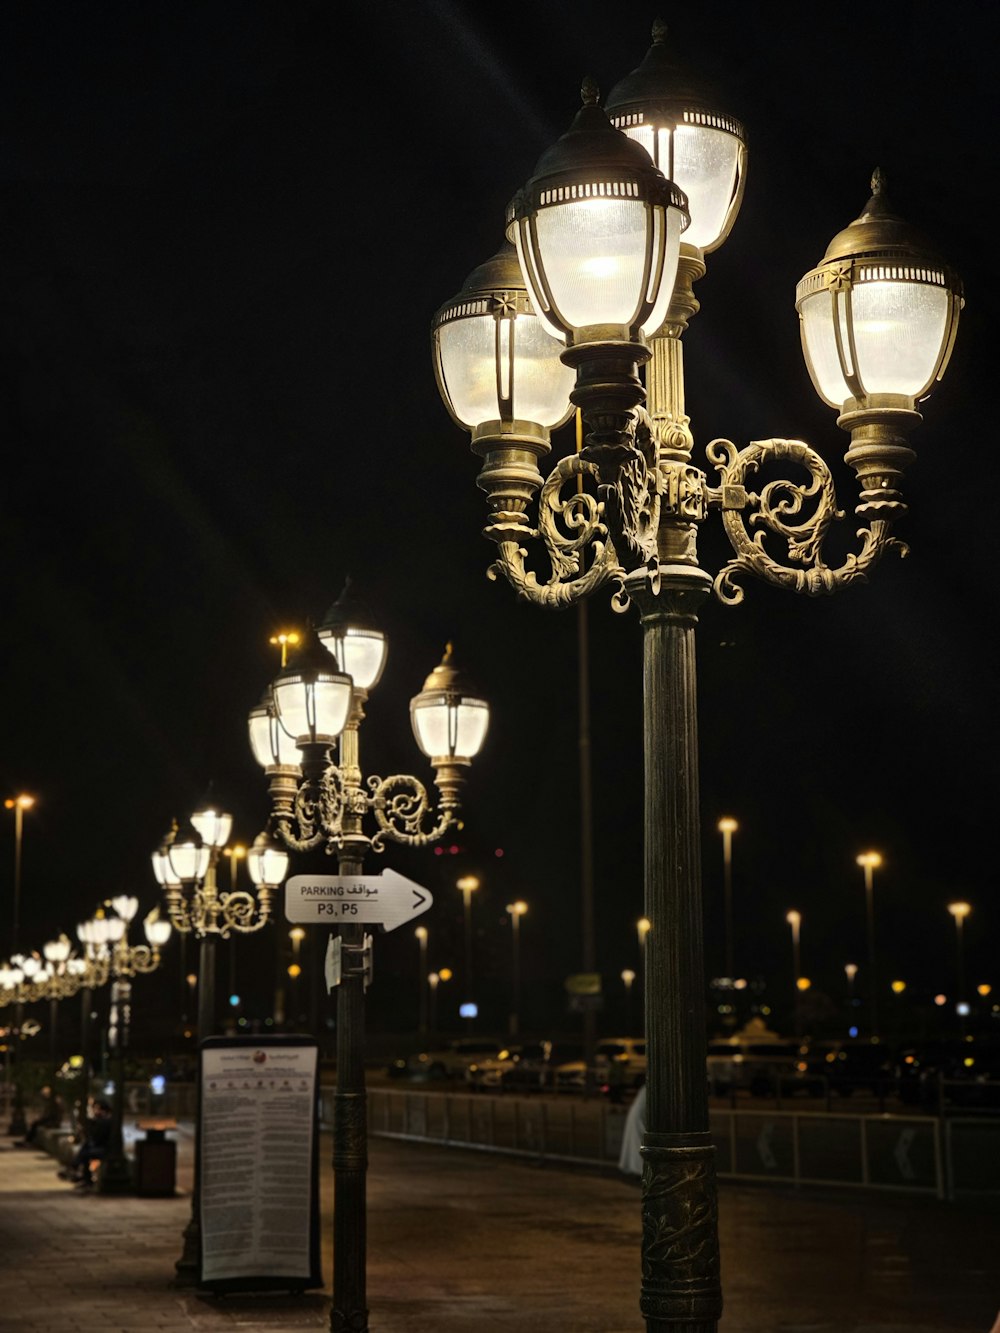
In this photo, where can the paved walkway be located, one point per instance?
(464, 1242)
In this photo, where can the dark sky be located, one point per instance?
(226, 228)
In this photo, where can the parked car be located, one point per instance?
(760, 1067)
(964, 1074)
(535, 1065)
(485, 1073)
(619, 1065)
(445, 1062)
(851, 1066)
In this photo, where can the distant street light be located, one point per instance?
(186, 868)
(869, 863)
(515, 911)
(850, 971)
(18, 804)
(467, 886)
(727, 827)
(628, 977)
(794, 919)
(960, 910)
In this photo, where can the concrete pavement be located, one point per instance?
(461, 1242)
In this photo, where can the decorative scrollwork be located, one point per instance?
(568, 526)
(400, 804)
(800, 513)
(241, 911)
(618, 527)
(318, 812)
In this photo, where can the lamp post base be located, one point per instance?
(187, 1269)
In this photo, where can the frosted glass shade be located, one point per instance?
(214, 825)
(271, 744)
(879, 314)
(188, 857)
(449, 720)
(507, 364)
(598, 262)
(125, 906)
(450, 729)
(157, 931)
(708, 165)
(892, 336)
(359, 652)
(312, 704)
(267, 862)
(597, 230)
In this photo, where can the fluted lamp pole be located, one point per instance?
(320, 800)
(609, 249)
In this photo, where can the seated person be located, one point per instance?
(50, 1116)
(94, 1146)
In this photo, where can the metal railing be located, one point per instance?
(910, 1153)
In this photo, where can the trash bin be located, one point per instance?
(155, 1159)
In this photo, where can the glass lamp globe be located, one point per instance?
(125, 906)
(267, 861)
(271, 744)
(688, 135)
(188, 856)
(449, 720)
(212, 823)
(312, 698)
(497, 366)
(597, 230)
(349, 633)
(157, 931)
(879, 314)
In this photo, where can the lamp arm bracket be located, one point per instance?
(799, 513)
(242, 912)
(317, 813)
(569, 526)
(139, 958)
(400, 804)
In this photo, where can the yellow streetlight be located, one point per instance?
(960, 910)
(869, 863)
(727, 827)
(515, 911)
(467, 886)
(284, 640)
(18, 804)
(984, 989)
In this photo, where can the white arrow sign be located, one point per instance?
(389, 899)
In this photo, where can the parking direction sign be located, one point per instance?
(388, 900)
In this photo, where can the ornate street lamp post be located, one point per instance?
(608, 250)
(185, 866)
(125, 961)
(317, 700)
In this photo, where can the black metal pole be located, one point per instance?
(86, 1001)
(188, 1266)
(349, 1311)
(18, 1126)
(53, 1041)
(114, 1175)
(681, 1284)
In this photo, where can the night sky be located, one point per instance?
(225, 230)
